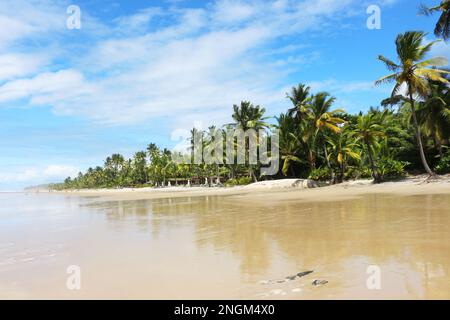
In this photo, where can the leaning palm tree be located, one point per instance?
(414, 72)
(442, 28)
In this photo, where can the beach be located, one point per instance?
(269, 240)
(283, 189)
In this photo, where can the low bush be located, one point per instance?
(443, 166)
(320, 174)
(391, 169)
(242, 181)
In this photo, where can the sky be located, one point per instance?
(137, 72)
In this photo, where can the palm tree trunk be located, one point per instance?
(252, 173)
(312, 162)
(375, 174)
(418, 136)
(328, 162)
(217, 174)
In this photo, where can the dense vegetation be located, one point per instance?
(409, 132)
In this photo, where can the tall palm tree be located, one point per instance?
(290, 145)
(414, 72)
(300, 97)
(368, 130)
(247, 116)
(323, 117)
(319, 119)
(212, 145)
(442, 28)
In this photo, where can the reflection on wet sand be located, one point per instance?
(234, 246)
(408, 237)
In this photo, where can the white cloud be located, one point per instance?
(334, 86)
(19, 19)
(200, 63)
(18, 65)
(35, 175)
(49, 87)
(60, 171)
(137, 21)
(232, 11)
(440, 49)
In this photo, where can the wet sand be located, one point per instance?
(229, 244)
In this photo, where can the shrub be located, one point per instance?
(391, 169)
(242, 181)
(320, 174)
(443, 166)
(358, 173)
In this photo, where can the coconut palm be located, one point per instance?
(319, 120)
(247, 116)
(300, 98)
(442, 28)
(342, 149)
(290, 145)
(434, 115)
(139, 167)
(414, 72)
(368, 130)
(212, 145)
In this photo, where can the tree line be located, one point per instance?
(408, 132)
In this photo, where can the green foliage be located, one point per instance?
(391, 169)
(358, 173)
(242, 181)
(315, 141)
(320, 174)
(443, 165)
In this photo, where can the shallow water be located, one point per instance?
(224, 247)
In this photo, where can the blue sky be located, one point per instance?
(138, 70)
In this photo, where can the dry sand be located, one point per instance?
(285, 189)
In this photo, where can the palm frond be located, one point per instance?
(390, 65)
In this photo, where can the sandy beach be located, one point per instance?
(230, 243)
(284, 189)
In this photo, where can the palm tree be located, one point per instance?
(368, 129)
(442, 28)
(300, 98)
(434, 115)
(415, 73)
(140, 167)
(343, 148)
(212, 145)
(246, 117)
(290, 145)
(319, 119)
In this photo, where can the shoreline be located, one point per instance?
(284, 189)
